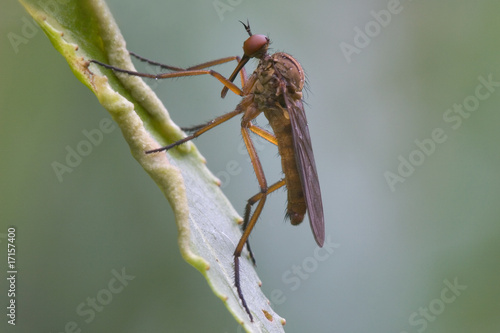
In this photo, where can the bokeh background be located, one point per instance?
(394, 250)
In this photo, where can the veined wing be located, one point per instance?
(306, 167)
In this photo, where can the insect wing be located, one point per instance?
(307, 168)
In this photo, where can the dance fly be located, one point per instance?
(274, 89)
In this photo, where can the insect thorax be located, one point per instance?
(274, 73)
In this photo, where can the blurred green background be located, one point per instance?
(395, 250)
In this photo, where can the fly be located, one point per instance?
(275, 89)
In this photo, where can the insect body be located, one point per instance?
(275, 89)
(278, 96)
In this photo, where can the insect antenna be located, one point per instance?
(247, 27)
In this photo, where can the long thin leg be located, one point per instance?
(200, 130)
(228, 84)
(237, 253)
(172, 68)
(272, 139)
(248, 209)
(259, 172)
(263, 133)
(242, 71)
(211, 63)
(255, 129)
(178, 69)
(192, 129)
(240, 68)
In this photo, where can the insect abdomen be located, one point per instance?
(280, 123)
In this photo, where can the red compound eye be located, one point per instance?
(255, 44)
